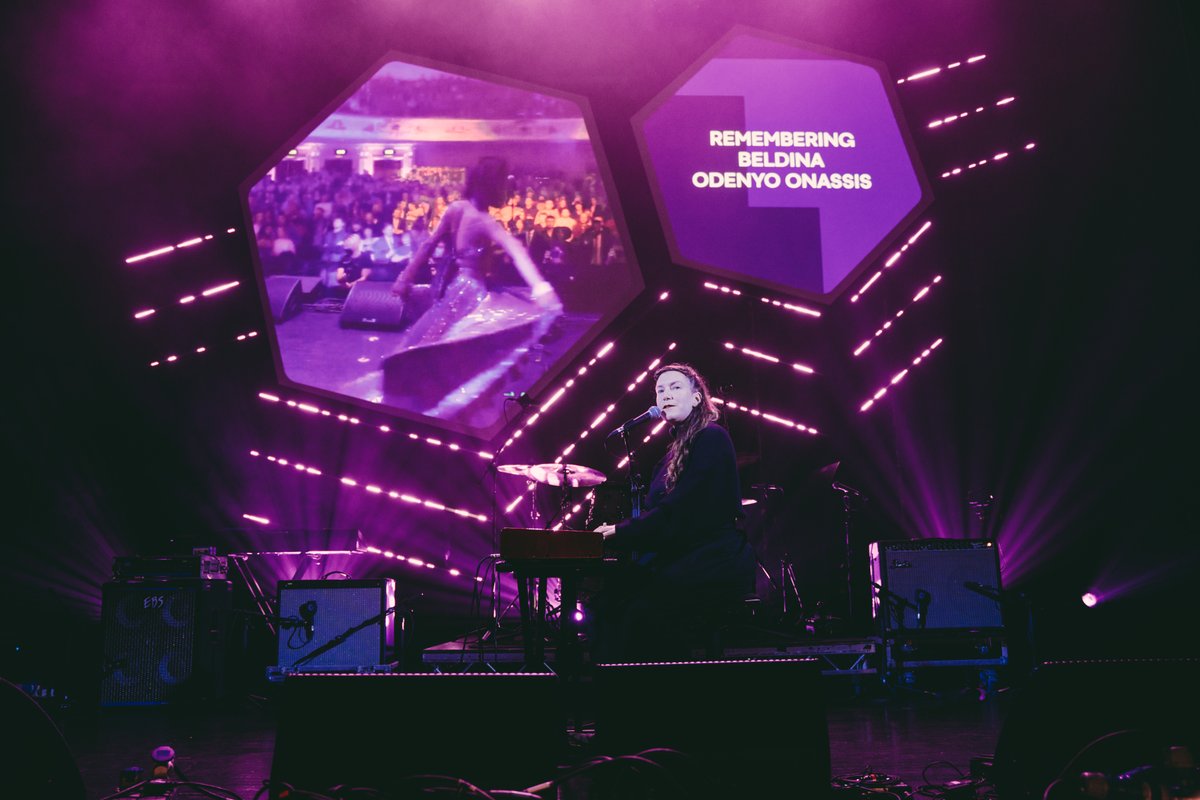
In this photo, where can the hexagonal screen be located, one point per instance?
(437, 245)
(781, 163)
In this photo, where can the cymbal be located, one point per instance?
(514, 469)
(566, 475)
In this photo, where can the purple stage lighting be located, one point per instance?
(950, 173)
(937, 123)
(887, 325)
(171, 248)
(171, 359)
(929, 73)
(1090, 600)
(899, 376)
(892, 259)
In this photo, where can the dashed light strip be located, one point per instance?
(807, 370)
(603, 415)
(174, 358)
(190, 298)
(162, 251)
(309, 408)
(929, 73)
(773, 418)
(558, 395)
(413, 561)
(256, 518)
(899, 376)
(802, 310)
(887, 325)
(937, 123)
(974, 164)
(371, 488)
(892, 259)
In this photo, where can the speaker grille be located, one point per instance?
(940, 567)
(340, 606)
(162, 641)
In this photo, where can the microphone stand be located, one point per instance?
(635, 496)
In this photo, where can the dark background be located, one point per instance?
(1063, 386)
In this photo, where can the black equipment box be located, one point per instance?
(196, 566)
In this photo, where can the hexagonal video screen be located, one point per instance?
(438, 244)
(781, 163)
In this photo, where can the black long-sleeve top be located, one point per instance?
(691, 529)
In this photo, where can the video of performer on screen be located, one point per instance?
(436, 243)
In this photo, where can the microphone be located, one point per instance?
(307, 612)
(990, 592)
(923, 598)
(653, 412)
(521, 397)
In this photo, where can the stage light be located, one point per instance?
(346, 480)
(339, 152)
(937, 123)
(950, 173)
(1089, 599)
(891, 260)
(929, 73)
(772, 418)
(258, 519)
(761, 356)
(729, 290)
(308, 408)
(888, 325)
(170, 248)
(143, 314)
(899, 376)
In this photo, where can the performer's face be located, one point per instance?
(675, 395)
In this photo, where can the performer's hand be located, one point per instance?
(606, 530)
(545, 296)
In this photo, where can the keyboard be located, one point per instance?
(535, 544)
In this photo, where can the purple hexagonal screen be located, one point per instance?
(784, 165)
(437, 244)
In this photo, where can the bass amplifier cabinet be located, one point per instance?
(331, 609)
(935, 584)
(164, 641)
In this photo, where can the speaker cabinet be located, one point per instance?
(371, 305)
(336, 608)
(164, 642)
(493, 730)
(283, 295)
(752, 728)
(1107, 716)
(931, 576)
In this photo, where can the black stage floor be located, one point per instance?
(230, 744)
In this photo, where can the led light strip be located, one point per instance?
(603, 415)
(892, 259)
(937, 123)
(558, 395)
(373, 489)
(998, 157)
(256, 518)
(887, 325)
(808, 312)
(190, 298)
(929, 73)
(172, 359)
(170, 248)
(773, 418)
(899, 376)
(807, 370)
(415, 562)
(309, 408)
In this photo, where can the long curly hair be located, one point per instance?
(685, 432)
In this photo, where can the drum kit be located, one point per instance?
(565, 477)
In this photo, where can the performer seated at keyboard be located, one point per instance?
(689, 559)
